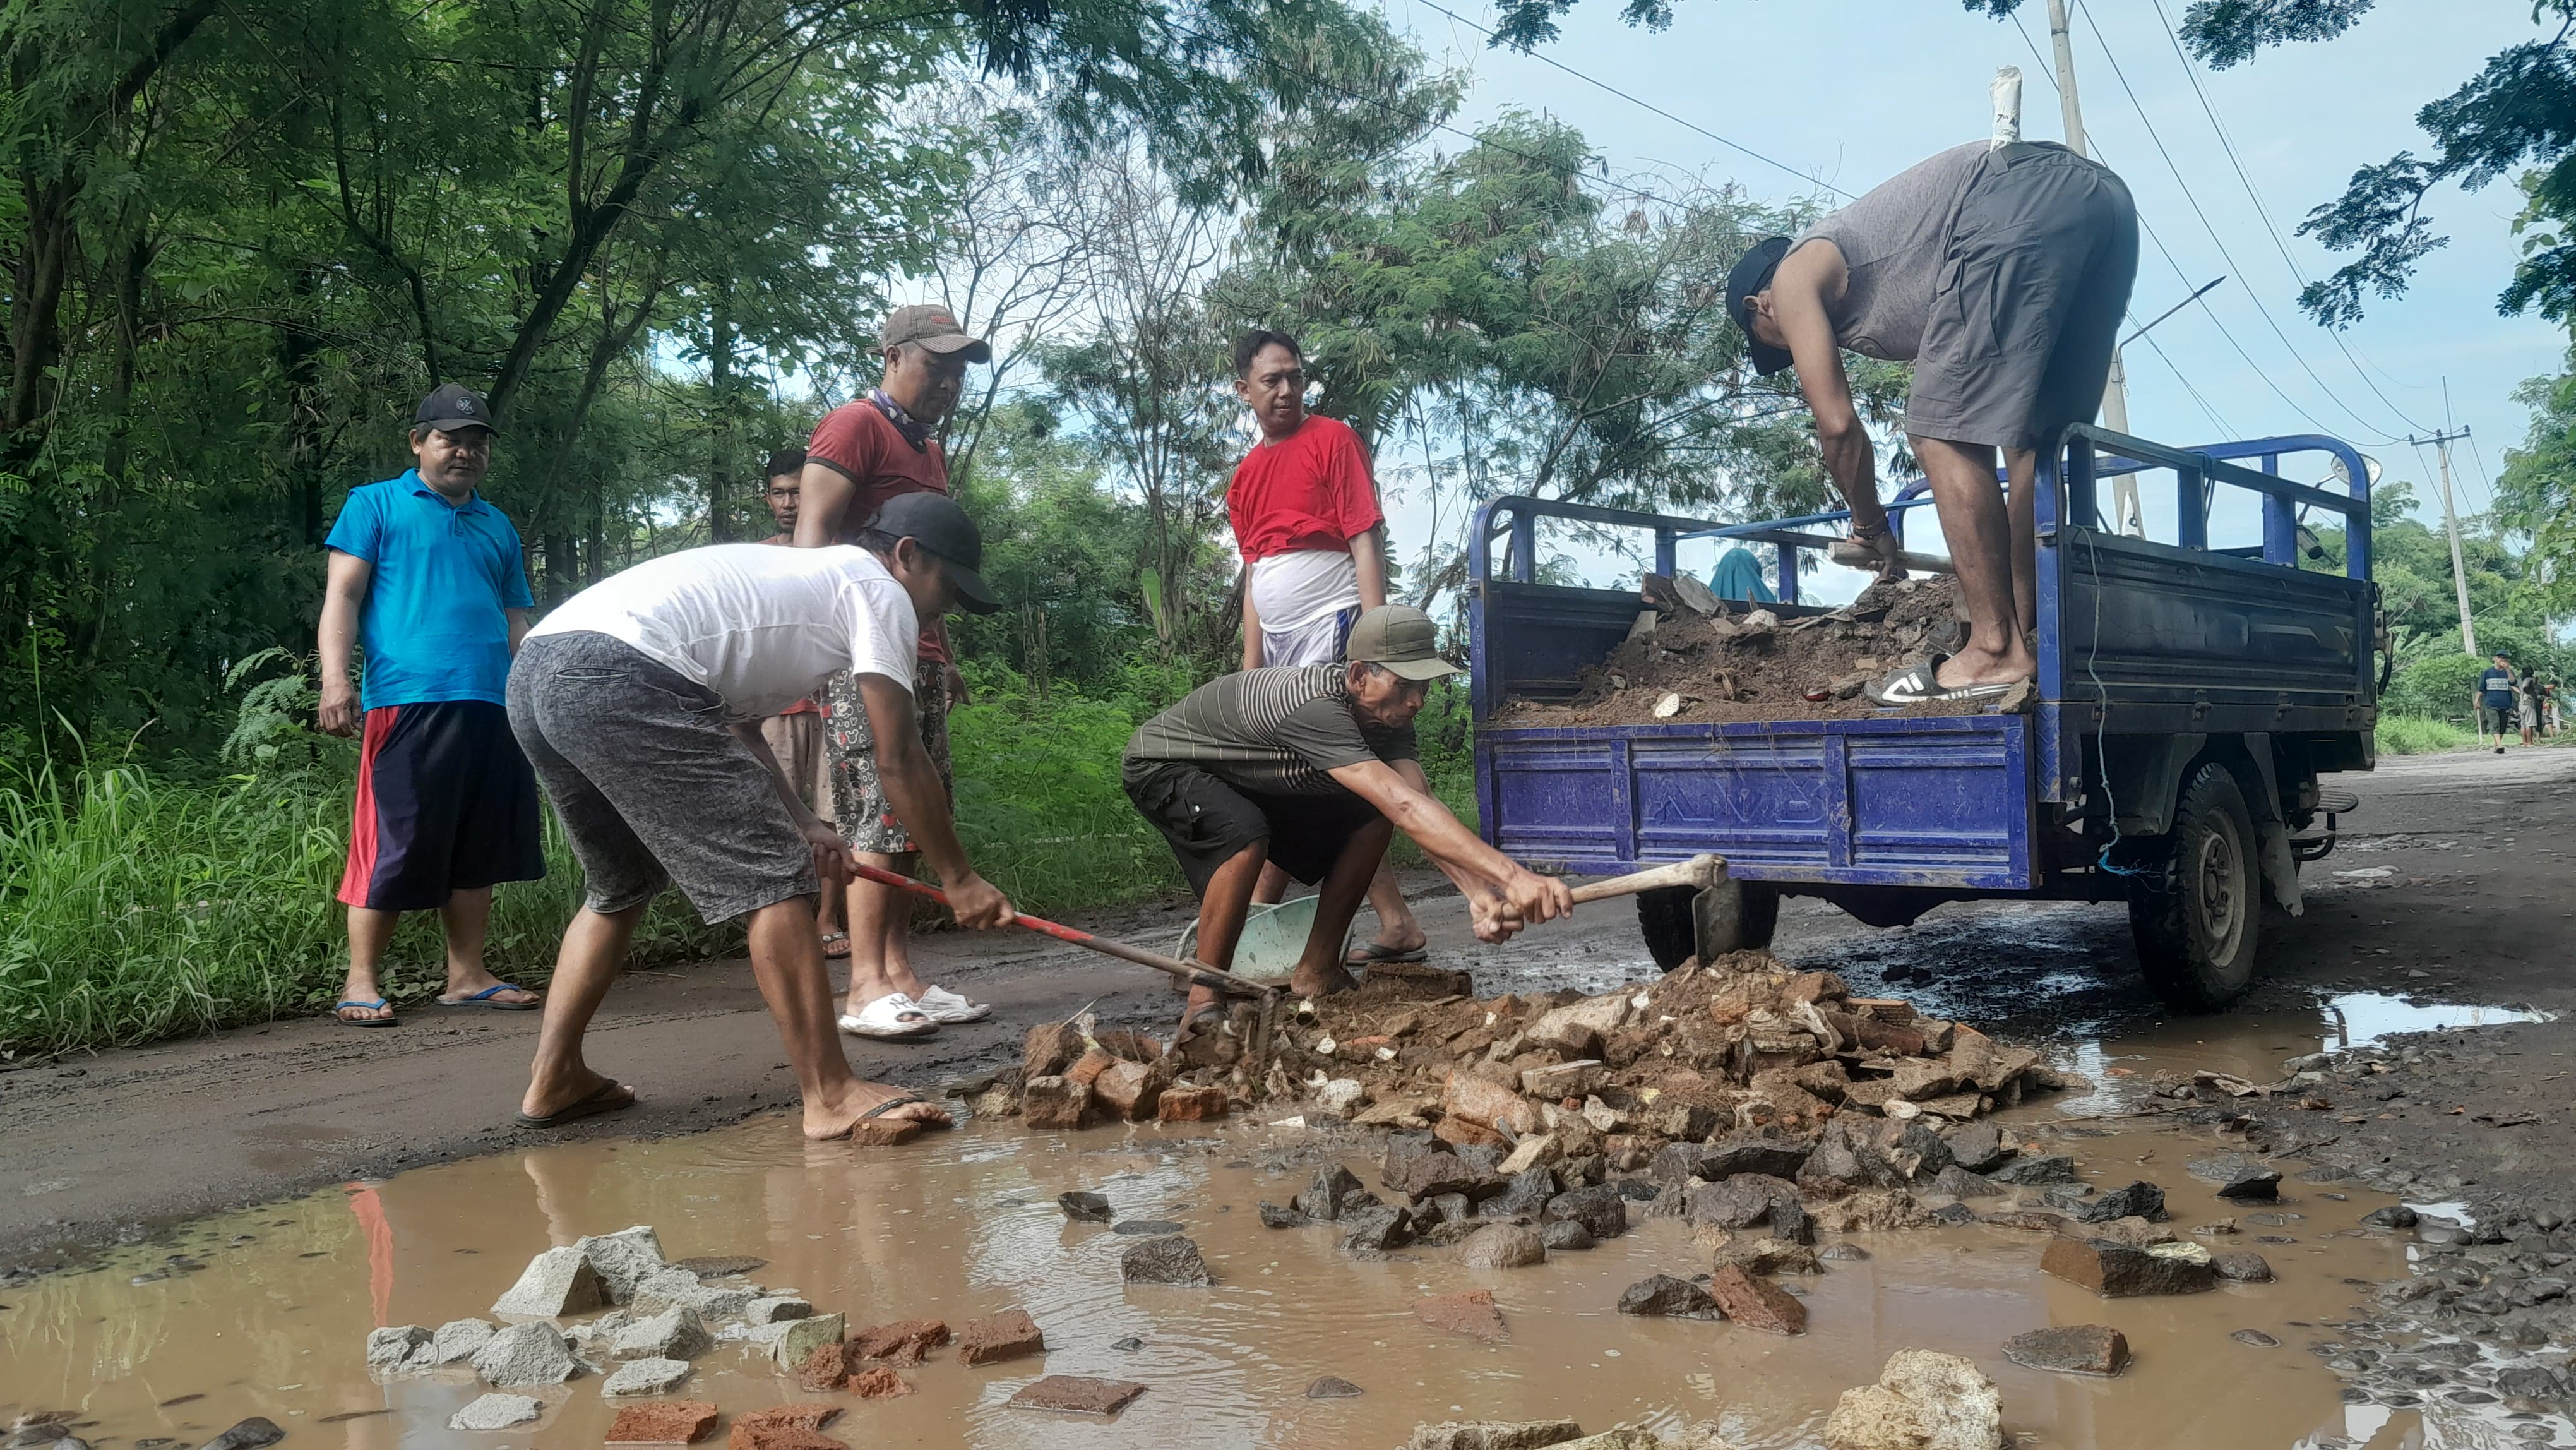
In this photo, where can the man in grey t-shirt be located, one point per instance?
(2001, 273)
(1313, 768)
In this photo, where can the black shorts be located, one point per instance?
(446, 803)
(1208, 821)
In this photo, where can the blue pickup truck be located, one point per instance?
(2190, 701)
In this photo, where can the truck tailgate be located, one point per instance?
(1938, 801)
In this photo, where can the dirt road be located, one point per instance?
(2473, 906)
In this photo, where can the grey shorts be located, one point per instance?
(2496, 720)
(2029, 304)
(797, 742)
(860, 806)
(652, 787)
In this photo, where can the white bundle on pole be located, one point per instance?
(2007, 97)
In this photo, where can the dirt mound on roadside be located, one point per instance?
(1745, 663)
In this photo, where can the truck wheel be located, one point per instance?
(1679, 923)
(2196, 906)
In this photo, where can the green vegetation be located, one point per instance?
(2418, 735)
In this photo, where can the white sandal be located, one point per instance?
(893, 1017)
(945, 1006)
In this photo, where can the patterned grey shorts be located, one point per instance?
(860, 807)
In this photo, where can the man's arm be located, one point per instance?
(1252, 659)
(824, 494)
(344, 592)
(521, 621)
(1368, 553)
(1525, 895)
(912, 787)
(831, 853)
(1798, 292)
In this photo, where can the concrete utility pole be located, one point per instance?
(2451, 522)
(2127, 516)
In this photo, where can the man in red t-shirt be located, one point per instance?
(861, 455)
(1313, 539)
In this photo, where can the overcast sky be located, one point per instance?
(1849, 93)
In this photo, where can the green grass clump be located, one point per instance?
(136, 906)
(2422, 735)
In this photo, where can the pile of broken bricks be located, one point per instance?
(659, 1315)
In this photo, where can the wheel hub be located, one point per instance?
(2218, 897)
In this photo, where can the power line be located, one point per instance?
(1648, 105)
(2225, 428)
(2263, 213)
(2206, 225)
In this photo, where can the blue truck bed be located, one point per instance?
(2153, 657)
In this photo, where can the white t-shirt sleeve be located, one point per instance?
(885, 633)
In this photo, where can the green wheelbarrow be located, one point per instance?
(1274, 937)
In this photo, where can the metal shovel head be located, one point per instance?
(1274, 937)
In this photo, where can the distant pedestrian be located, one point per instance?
(795, 734)
(427, 576)
(2493, 699)
(2529, 701)
(638, 700)
(1306, 519)
(861, 456)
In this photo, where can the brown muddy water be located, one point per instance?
(267, 1312)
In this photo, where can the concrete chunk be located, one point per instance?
(556, 1283)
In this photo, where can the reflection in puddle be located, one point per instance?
(2358, 1019)
(965, 1224)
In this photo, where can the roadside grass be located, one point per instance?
(139, 903)
(2422, 735)
(136, 906)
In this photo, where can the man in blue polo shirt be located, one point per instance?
(427, 577)
(2494, 699)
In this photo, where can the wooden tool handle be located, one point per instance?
(1701, 871)
(1190, 972)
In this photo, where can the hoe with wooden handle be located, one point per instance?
(1700, 872)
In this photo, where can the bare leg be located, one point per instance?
(1273, 886)
(370, 932)
(1397, 929)
(1337, 900)
(594, 946)
(881, 935)
(787, 957)
(467, 917)
(2021, 503)
(1222, 908)
(1980, 535)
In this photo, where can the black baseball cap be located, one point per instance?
(936, 523)
(1752, 274)
(453, 407)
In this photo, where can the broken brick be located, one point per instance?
(995, 1337)
(677, 1422)
(1756, 1303)
(1191, 1105)
(906, 1341)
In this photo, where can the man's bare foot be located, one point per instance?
(1321, 983)
(826, 1120)
(550, 1097)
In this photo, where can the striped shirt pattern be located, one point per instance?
(1275, 731)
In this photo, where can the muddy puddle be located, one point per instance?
(266, 1313)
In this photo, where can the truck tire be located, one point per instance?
(2196, 904)
(1679, 923)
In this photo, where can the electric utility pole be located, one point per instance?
(2127, 516)
(2451, 522)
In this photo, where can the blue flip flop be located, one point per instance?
(362, 1021)
(484, 999)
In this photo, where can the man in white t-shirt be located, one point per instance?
(639, 702)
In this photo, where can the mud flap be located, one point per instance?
(2280, 868)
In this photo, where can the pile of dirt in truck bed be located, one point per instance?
(1744, 662)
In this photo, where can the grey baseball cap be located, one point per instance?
(1401, 639)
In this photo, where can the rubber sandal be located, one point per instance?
(836, 946)
(606, 1098)
(882, 1019)
(944, 1007)
(1371, 953)
(484, 999)
(363, 1021)
(899, 1100)
(1921, 684)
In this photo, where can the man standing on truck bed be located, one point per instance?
(2002, 274)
